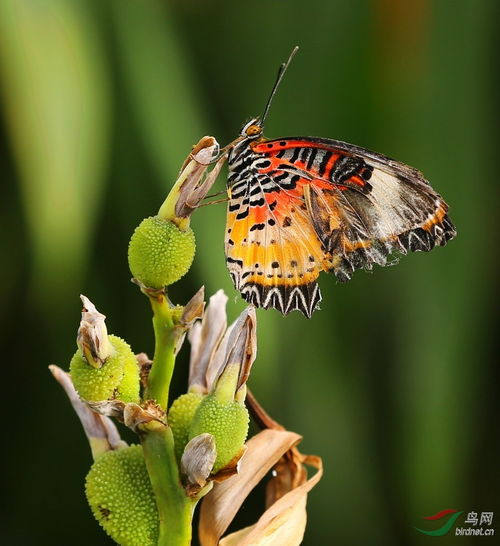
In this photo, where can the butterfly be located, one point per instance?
(298, 206)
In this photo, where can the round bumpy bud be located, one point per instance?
(119, 493)
(228, 424)
(180, 415)
(160, 253)
(117, 378)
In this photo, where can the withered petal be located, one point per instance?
(92, 338)
(198, 458)
(109, 408)
(100, 430)
(193, 310)
(284, 523)
(205, 339)
(239, 345)
(198, 181)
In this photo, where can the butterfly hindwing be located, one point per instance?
(363, 205)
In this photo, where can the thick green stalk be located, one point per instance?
(175, 508)
(164, 358)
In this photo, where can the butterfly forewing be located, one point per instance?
(299, 206)
(273, 254)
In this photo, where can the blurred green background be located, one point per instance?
(393, 383)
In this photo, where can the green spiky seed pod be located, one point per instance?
(129, 388)
(160, 253)
(120, 495)
(227, 422)
(180, 415)
(117, 378)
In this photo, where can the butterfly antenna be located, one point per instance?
(279, 77)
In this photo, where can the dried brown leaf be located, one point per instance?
(135, 415)
(284, 523)
(221, 505)
(246, 352)
(132, 415)
(109, 408)
(193, 309)
(144, 364)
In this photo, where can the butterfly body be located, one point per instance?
(301, 205)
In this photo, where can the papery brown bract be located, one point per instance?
(285, 519)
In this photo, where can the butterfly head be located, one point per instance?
(252, 129)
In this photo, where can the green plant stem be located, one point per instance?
(175, 508)
(164, 358)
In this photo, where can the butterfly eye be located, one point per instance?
(253, 130)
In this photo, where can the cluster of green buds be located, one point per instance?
(145, 494)
(106, 379)
(117, 486)
(103, 370)
(209, 423)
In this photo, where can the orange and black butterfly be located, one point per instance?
(301, 205)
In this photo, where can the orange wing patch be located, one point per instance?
(273, 253)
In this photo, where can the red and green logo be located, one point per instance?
(447, 524)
